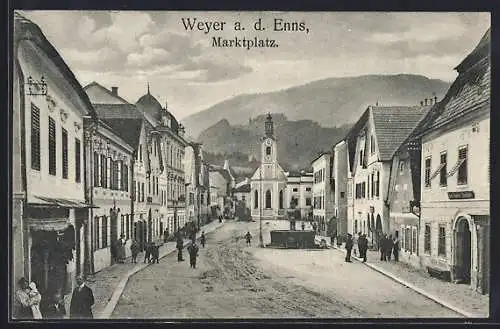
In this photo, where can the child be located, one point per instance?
(35, 299)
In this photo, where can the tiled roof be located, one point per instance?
(242, 188)
(104, 89)
(223, 172)
(117, 111)
(129, 129)
(393, 125)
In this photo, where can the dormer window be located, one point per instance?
(167, 121)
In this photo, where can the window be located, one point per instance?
(142, 192)
(372, 144)
(35, 137)
(442, 241)
(308, 201)
(268, 150)
(414, 240)
(360, 158)
(119, 171)
(363, 189)
(104, 232)
(78, 164)
(96, 234)
(373, 185)
(243, 198)
(442, 171)
(342, 195)
(308, 189)
(356, 225)
(149, 184)
(157, 184)
(280, 199)
(407, 239)
(401, 166)
(125, 178)
(427, 238)
(256, 199)
(52, 147)
(64, 141)
(462, 169)
(96, 169)
(268, 199)
(103, 171)
(295, 189)
(377, 186)
(427, 172)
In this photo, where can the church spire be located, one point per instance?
(148, 89)
(269, 126)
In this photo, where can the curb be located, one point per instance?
(117, 293)
(416, 289)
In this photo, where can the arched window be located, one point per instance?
(281, 199)
(268, 150)
(268, 199)
(256, 199)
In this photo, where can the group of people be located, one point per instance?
(119, 249)
(151, 253)
(193, 249)
(387, 246)
(52, 306)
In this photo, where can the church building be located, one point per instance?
(268, 183)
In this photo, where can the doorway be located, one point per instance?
(113, 235)
(463, 251)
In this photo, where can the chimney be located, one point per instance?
(114, 91)
(425, 100)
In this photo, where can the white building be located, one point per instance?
(268, 183)
(341, 188)
(455, 203)
(323, 194)
(50, 209)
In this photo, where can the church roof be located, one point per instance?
(149, 104)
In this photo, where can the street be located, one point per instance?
(235, 281)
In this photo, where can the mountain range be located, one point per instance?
(308, 119)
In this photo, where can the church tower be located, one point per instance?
(268, 183)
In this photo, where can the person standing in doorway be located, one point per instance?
(81, 301)
(134, 249)
(180, 246)
(348, 248)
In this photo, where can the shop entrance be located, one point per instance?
(463, 251)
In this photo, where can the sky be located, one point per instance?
(128, 49)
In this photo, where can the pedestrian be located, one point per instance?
(121, 248)
(348, 248)
(390, 246)
(55, 307)
(147, 252)
(134, 249)
(395, 247)
(363, 246)
(203, 239)
(193, 253)
(179, 246)
(24, 301)
(155, 253)
(382, 247)
(165, 236)
(35, 297)
(81, 301)
(355, 243)
(248, 238)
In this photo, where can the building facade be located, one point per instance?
(268, 183)
(323, 193)
(455, 178)
(342, 190)
(49, 211)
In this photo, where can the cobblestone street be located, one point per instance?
(233, 280)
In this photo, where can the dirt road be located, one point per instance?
(235, 281)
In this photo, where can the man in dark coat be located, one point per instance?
(147, 252)
(81, 301)
(203, 239)
(179, 246)
(389, 246)
(348, 247)
(193, 253)
(155, 253)
(382, 247)
(363, 246)
(395, 248)
(134, 249)
(248, 238)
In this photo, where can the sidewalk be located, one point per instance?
(108, 284)
(458, 297)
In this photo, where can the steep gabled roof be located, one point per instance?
(393, 125)
(24, 29)
(242, 189)
(105, 90)
(117, 111)
(469, 92)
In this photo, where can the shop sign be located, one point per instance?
(460, 195)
